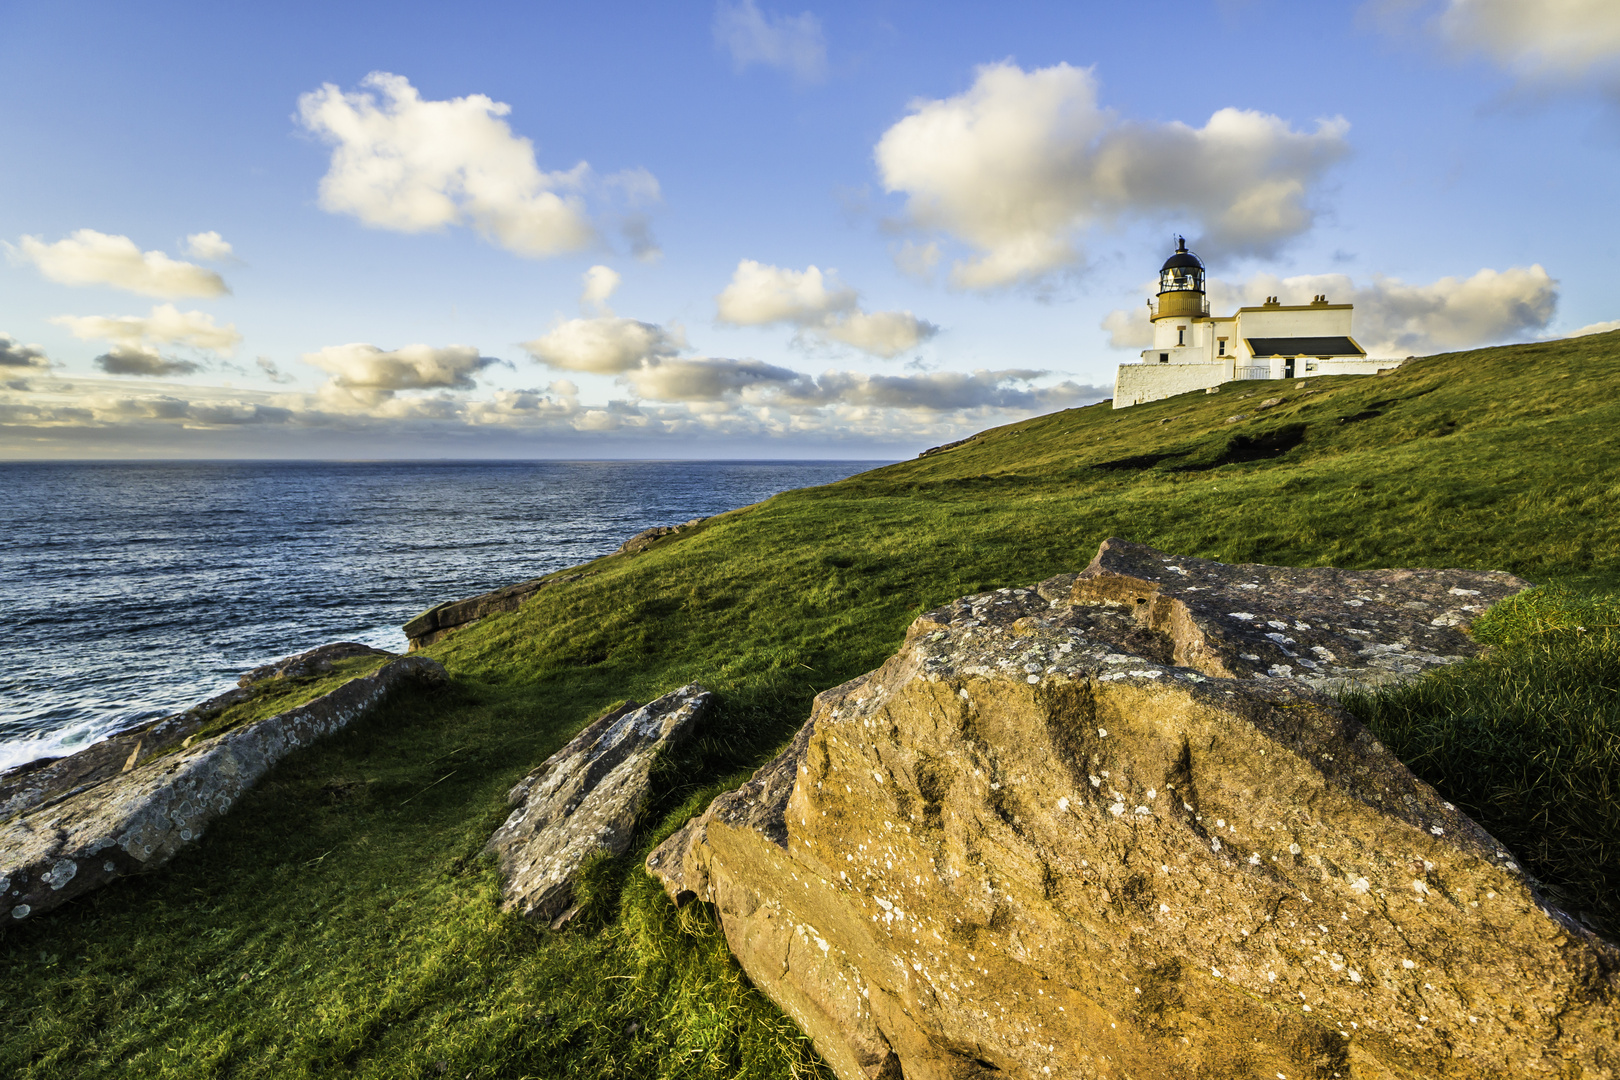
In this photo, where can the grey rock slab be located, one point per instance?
(584, 799)
(440, 621)
(121, 822)
(317, 661)
(1324, 627)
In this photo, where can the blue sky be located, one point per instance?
(983, 192)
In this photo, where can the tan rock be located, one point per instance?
(1040, 841)
(584, 799)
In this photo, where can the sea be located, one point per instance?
(132, 590)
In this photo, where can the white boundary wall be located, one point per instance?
(1137, 384)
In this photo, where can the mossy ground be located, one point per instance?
(341, 921)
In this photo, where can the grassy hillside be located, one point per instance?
(341, 920)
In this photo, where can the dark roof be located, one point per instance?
(1182, 258)
(1304, 346)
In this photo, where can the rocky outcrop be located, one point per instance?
(77, 823)
(314, 663)
(647, 537)
(1112, 827)
(584, 799)
(52, 779)
(439, 622)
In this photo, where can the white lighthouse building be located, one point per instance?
(1193, 350)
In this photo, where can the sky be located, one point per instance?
(752, 228)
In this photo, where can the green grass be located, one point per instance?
(341, 920)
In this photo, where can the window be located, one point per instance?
(1164, 358)
(1221, 347)
(1181, 335)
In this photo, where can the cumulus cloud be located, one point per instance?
(366, 375)
(15, 357)
(1391, 317)
(166, 325)
(818, 307)
(92, 258)
(1595, 328)
(403, 163)
(1022, 163)
(208, 245)
(604, 345)
(600, 284)
(1553, 40)
(142, 360)
(794, 43)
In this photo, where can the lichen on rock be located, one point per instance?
(1095, 829)
(584, 799)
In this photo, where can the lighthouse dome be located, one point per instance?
(1182, 259)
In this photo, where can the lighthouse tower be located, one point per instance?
(1181, 286)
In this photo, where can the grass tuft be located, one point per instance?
(1527, 740)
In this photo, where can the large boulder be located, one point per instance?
(1111, 827)
(584, 799)
(77, 823)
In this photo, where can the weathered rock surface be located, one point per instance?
(440, 621)
(76, 823)
(647, 537)
(317, 661)
(584, 799)
(1096, 830)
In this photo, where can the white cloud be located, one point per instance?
(93, 258)
(793, 43)
(819, 307)
(604, 345)
(166, 325)
(1392, 318)
(1555, 40)
(367, 376)
(414, 166)
(15, 355)
(600, 284)
(704, 379)
(208, 245)
(1022, 163)
(143, 360)
(1595, 328)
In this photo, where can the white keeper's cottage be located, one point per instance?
(1194, 350)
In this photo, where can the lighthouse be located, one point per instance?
(1194, 350)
